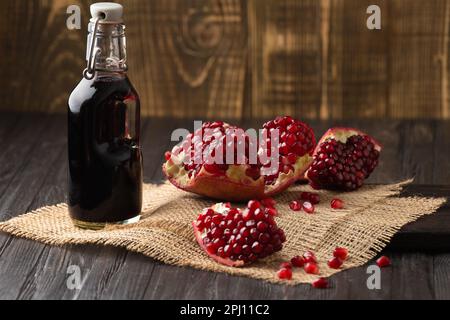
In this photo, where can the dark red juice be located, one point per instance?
(105, 161)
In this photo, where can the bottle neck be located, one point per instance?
(108, 47)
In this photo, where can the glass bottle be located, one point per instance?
(105, 158)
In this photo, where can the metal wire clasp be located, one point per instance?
(89, 72)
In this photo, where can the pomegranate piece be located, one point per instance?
(335, 263)
(383, 261)
(298, 261)
(337, 204)
(295, 205)
(285, 273)
(340, 253)
(343, 159)
(223, 162)
(320, 283)
(308, 207)
(236, 237)
(286, 265)
(311, 268)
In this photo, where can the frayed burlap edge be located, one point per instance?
(372, 216)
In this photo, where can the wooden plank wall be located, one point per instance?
(238, 58)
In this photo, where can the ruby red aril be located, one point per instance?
(194, 166)
(286, 265)
(298, 261)
(320, 283)
(309, 256)
(343, 159)
(167, 155)
(308, 207)
(337, 204)
(383, 261)
(314, 198)
(305, 195)
(285, 273)
(335, 263)
(295, 205)
(340, 253)
(268, 203)
(311, 268)
(237, 237)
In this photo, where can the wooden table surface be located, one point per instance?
(33, 171)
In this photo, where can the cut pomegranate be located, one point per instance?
(320, 283)
(311, 268)
(193, 166)
(383, 261)
(285, 273)
(234, 237)
(337, 204)
(335, 263)
(308, 207)
(343, 159)
(295, 205)
(340, 253)
(298, 261)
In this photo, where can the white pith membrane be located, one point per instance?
(343, 134)
(235, 173)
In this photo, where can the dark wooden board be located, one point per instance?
(33, 174)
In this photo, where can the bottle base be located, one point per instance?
(102, 225)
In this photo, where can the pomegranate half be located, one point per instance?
(343, 159)
(241, 179)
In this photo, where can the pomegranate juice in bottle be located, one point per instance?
(105, 159)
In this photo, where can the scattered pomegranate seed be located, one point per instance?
(308, 207)
(286, 265)
(268, 203)
(383, 261)
(298, 261)
(320, 283)
(285, 273)
(340, 253)
(253, 205)
(167, 155)
(335, 263)
(295, 205)
(309, 256)
(337, 203)
(314, 198)
(305, 195)
(311, 268)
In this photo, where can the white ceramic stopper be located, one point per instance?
(108, 11)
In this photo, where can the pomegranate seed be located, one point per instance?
(308, 207)
(298, 261)
(253, 205)
(340, 253)
(335, 263)
(383, 261)
(320, 283)
(285, 265)
(337, 204)
(305, 195)
(309, 256)
(167, 155)
(285, 273)
(295, 205)
(271, 211)
(311, 268)
(314, 198)
(268, 203)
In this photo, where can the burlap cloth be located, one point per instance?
(372, 215)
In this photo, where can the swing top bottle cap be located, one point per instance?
(107, 11)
